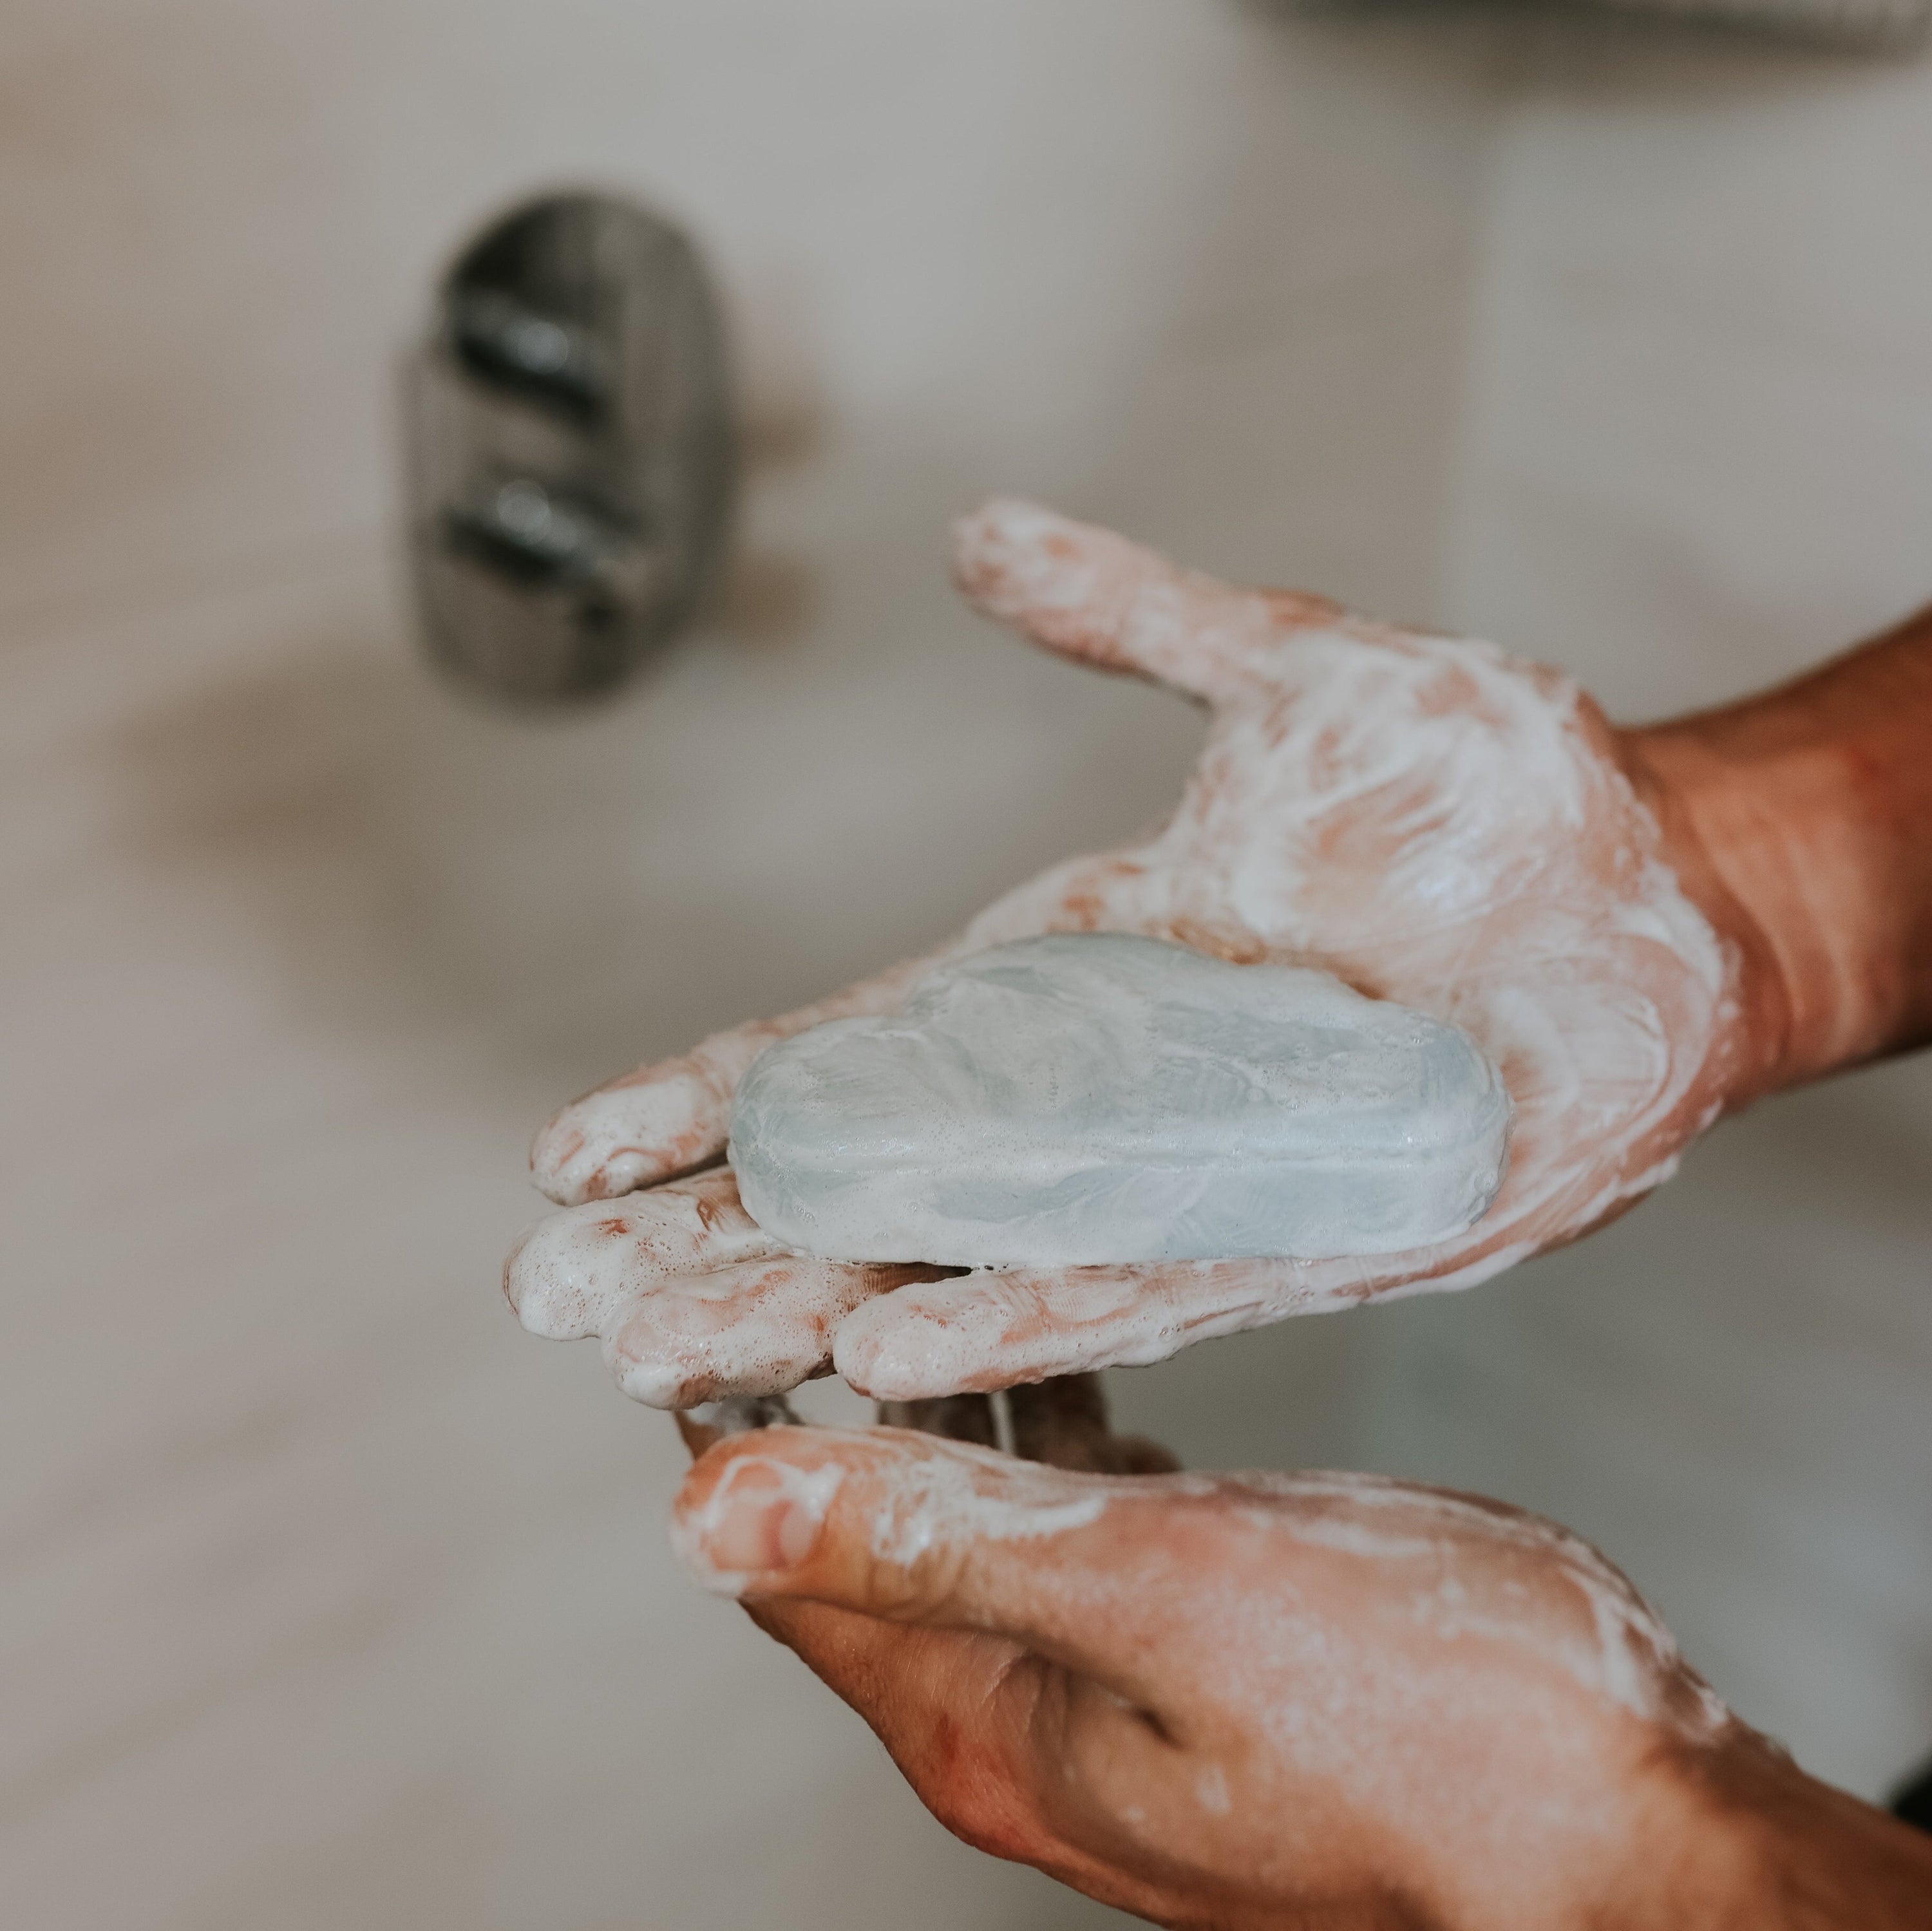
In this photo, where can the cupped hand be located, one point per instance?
(1250, 1700)
(1430, 820)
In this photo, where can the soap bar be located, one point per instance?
(1085, 1098)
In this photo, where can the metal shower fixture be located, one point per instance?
(572, 448)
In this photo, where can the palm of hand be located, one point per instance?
(1432, 822)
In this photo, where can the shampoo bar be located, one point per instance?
(1090, 1098)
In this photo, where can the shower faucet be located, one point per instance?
(572, 449)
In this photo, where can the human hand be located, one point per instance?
(1430, 820)
(1259, 1700)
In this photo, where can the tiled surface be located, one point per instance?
(332, 1598)
(1702, 419)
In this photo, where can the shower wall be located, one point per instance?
(332, 1598)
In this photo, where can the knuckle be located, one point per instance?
(917, 1591)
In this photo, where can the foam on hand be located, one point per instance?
(1083, 1099)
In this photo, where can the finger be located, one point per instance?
(1006, 1737)
(694, 1301)
(977, 1332)
(758, 1328)
(666, 1118)
(711, 1421)
(1088, 593)
(953, 1707)
(910, 1528)
(984, 1330)
(572, 1272)
(1062, 1421)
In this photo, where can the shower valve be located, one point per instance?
(572, 448)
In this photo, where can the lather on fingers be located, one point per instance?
(691, 1299)
(665, 1119)
(1088, 594)
(1255, 1699)
(1426, 819)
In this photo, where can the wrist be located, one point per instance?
(1793, 923)
(1698, 812)
(1737, 1838)
(1797, 822)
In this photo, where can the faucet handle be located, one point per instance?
(572, 448)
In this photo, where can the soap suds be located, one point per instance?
(967, 1494)
(1406, 1592)
(810, 1490)
(1430, 821)
(1618, 1648)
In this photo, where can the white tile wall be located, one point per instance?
(333, 1599)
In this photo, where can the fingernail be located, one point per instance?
(763, 1517)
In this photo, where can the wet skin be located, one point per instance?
(1644, 928)
(1428, 820)
(1315, 1700)
(1319, 1700)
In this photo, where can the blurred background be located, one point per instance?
(330, 1598)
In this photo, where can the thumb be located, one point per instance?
(910, 1528)
(1086, 592)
